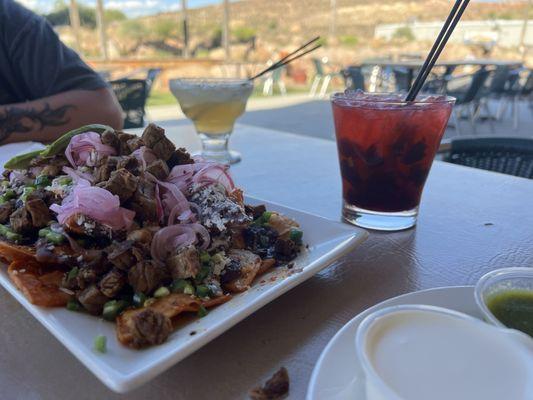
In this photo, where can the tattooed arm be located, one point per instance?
(45, 119)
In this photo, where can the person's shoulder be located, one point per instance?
(14, 12)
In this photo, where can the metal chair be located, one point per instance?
(401, 79)
(512, 156)
(132, 95)
(353, 77)
(151, 75)
(320, 74)
(466, 89)
(272, 79)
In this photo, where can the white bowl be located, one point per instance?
(421, 358)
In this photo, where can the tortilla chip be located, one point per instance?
(10, 252)
(39, 284)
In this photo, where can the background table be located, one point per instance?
(471, 222)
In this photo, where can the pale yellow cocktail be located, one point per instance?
(213, 105)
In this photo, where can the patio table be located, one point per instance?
(471, 221)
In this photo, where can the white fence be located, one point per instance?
(505, 33)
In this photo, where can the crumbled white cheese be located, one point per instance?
(216, 209)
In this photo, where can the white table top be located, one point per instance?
(452, 245)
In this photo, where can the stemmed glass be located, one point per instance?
(213, 105)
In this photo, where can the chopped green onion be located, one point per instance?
(161, 292)
(189, 289)
(72, 273)
(55, 238)
(205, 258)
(3, 230)
(266, 216)
(150, 301)
(113, 308)
(26, 192)
(100, 343)
(204, 272)
(13, 236)
(43, 180)
(64, 180)
(139, 299)
(202, 291)
(178, 285)
(9, 194)
(73, 305)
(43, 232)
(296, 235)
(202, 312)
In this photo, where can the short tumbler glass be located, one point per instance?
(386, 147)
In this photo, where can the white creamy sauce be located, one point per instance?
(423, 355)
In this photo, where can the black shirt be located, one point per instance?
(34, 63)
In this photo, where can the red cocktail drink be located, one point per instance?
(386, 148)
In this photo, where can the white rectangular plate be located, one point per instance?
(122, 369)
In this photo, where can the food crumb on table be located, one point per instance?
(275, 388)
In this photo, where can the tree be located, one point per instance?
(131, 34)
(60, 16)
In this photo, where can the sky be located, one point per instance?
(132, 8)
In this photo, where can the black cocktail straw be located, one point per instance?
(444, 34)
(289, 57)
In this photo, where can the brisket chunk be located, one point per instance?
(145, 276)
(123, 139)
(110, 138)
(186, 264)
(159, 169)
(20, 220)
(179, 157)
(150, 328)
(5, 211)
(112, 283)
(106, 165)
(154, 138)
(135, 143)
(275, 388)
(123, 255)
(122, 183)
(39, 213)
(129, 163)
(92, 299)
(143, 201)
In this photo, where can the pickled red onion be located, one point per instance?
(97, 203)
(86, 148)
(78, 176)
(145, 155)
(171, 238)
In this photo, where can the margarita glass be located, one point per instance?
(213, 105)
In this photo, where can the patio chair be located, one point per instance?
(467, 91)
(151, 75)
(132, 95)
(321, 75)
(512, 156)
(272, 79)
(402, 80)
(353, 77)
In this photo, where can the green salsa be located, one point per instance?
(514, 309)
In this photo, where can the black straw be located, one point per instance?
(445, 33)
(287, 59)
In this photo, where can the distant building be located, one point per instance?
(504, 33)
